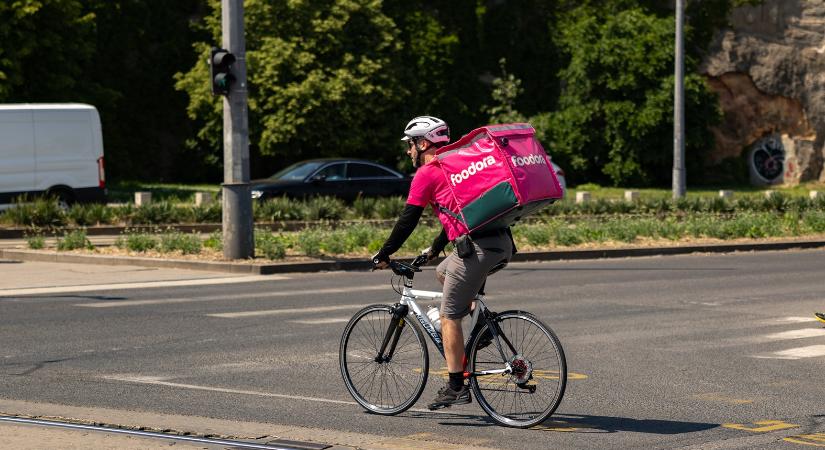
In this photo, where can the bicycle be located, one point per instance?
(384, 359)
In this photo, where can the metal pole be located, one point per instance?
(679, 184)
(238, 241)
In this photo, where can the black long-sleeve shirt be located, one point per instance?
(404, 227)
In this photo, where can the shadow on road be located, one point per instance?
(583, 424)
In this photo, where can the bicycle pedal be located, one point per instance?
(528, 387)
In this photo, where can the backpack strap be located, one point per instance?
(450, 213)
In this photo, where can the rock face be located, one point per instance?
(769, 72)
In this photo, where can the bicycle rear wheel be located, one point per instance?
(534, 389)
(382, 386)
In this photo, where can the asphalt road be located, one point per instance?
(697, 351)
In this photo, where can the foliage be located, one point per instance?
(36, 213)
(188, 244)
(74, 240)
(137, 242)
(325, 70)
(270, 245)
(615, 118)
(35, 241)
(506, 89)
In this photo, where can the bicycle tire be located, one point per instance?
(500, 395)
(407, 371)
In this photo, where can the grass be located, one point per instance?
(598, 192)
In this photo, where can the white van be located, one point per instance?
(51, 149)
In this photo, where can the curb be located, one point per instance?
(361, 264)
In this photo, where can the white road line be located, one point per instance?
(276, 312)
(322, 321)
(141, 285)
(161, 381)
(796, 353)
(792, 320)
(115, 303)
(796, 334)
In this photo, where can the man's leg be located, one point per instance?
(453, 338)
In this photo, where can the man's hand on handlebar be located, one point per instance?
(380, 261)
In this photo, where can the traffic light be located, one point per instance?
(219, 73)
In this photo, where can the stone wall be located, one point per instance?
(769, 71)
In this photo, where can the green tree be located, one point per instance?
(614, 121)
(44, 45)
(320, 78)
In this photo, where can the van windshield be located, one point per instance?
(297, 171)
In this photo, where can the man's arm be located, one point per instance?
(400, 232)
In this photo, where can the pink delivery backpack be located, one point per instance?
(498, 174)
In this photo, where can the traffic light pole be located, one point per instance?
(238, 241)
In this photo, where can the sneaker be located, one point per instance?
(820, 317)
(447, 397)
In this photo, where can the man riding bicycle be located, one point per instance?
(462, 277)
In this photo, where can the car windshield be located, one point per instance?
(297, 171)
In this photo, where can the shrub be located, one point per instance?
(36, 241)
(389, 208)
(309, 241)
(270, 245)
(188, 244)
(325, 208)
(278, 209)
(365, 207)
(215, 240)
(74, 240)
(137, 242)
(155, 214)
(90, 214)
(37, 213)
(566, 236)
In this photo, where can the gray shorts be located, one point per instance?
(464, 277)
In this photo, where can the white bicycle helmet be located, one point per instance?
(430, 128)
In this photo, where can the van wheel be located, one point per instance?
(65, 198)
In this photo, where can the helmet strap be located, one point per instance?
(418, 154)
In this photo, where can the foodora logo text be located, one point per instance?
(472, 169)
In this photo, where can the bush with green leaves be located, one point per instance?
(270, 245)
(188, 244)
(35, 241)
(215, 240)
(309, 241)
(137, 241)
(325, 208)
(74, 240)
(90, 214)
(278, 209)
(39, 212)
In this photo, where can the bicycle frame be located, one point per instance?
(408, 306)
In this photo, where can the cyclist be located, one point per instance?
(461, 277)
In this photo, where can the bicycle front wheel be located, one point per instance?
(533, 389)
(384, 384)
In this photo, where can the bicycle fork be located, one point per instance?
(397, 324)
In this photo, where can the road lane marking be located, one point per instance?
(263, 295)
(141, 285)
(795, 319)
(796, 334)
(796, 353)
(277, 312)
(762, 426)
(161, 381)
(814, 440)
(322, 321)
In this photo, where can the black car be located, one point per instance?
(342, 178)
